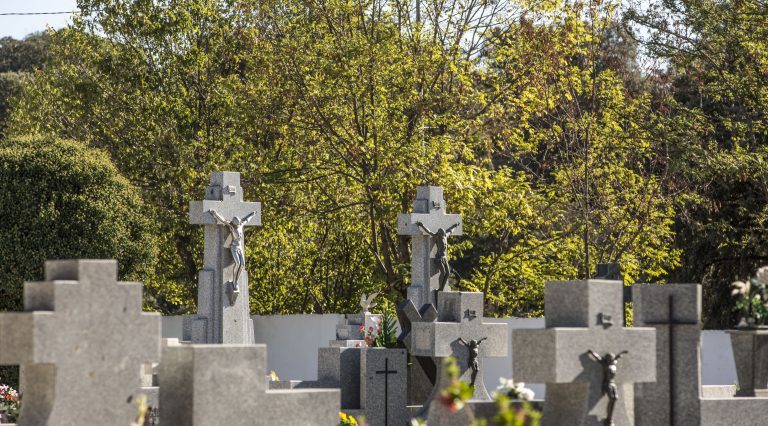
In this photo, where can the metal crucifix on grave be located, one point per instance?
(428, 217)
(223, 314)
(562, 354)
(443, 338)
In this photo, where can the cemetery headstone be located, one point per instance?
(674, 310)
(383, 386)
(223, 314)
(584, 318)
(428, 251)
(225, 385)
(460, 318)
(81, 342)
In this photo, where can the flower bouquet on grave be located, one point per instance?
(752, 300)
(514, 390)
(9, 404)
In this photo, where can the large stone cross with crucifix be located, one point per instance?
(223, 314)
(588, 359)
(429, 227)
(461, 333)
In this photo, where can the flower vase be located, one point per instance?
(750, 353)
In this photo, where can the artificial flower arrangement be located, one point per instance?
(9, 403)
(752, 299)
(514, 390)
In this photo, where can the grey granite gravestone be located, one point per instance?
(460, 316)
(428, 208)
(582, 316)
(226, 385)
(674, 310)
(222, 316)
(383, 374)
(80, 342)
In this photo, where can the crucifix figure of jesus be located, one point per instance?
(474, 352)
(609, 362)
(441, 241)
(235, 226)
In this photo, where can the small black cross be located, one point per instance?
(470, 313)
(386, 372)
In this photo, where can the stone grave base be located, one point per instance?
(744, 411)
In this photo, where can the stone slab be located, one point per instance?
(741, 411)
(383, 386)
(219, 384)
(584, 303)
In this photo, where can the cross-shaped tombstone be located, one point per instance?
(674, 310)
(429, 210)
(444, 337)
(81, 343)
(223, 314)
(584, 316)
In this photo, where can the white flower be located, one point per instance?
(740, 288)
(762, 275)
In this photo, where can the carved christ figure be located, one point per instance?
(441, 239)
(474, 353)
(236, 247)
(609, 362)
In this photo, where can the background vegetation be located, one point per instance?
(566, 133)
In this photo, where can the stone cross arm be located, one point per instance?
(199, 211)
(406, 223)
(440, 339)
(559, 355)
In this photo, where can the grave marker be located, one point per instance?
(577, 321)
(223, 314)
(81, 343)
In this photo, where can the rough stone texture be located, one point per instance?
(718, 391)
(339, 367)
(80, 342)
(422, 370)
(217, 320)
(750, 352)
(383, 386)
(428, 208)
(441, 339)
(224, 385)
(583, 315)
(674, 310)
(743, 411)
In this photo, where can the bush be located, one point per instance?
(62, 200)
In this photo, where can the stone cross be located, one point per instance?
(222, 316)
(226, 385)
(429, 209)
(81, 343)
(441, 339)
(581, 316)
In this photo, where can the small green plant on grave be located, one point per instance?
(455, 395)
(9, 403)
(387, 333)
(752, 299)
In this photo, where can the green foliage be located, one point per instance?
(346, 419)
(386, 337)
(458, 392)
(62, 200)
(336, 110)
(716, 60)
(18, 59)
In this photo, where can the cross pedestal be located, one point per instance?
(218, 320)
(582, 316)
(429, 209)
(460, 316)
(81, 343)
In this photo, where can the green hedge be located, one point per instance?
(60, 199)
